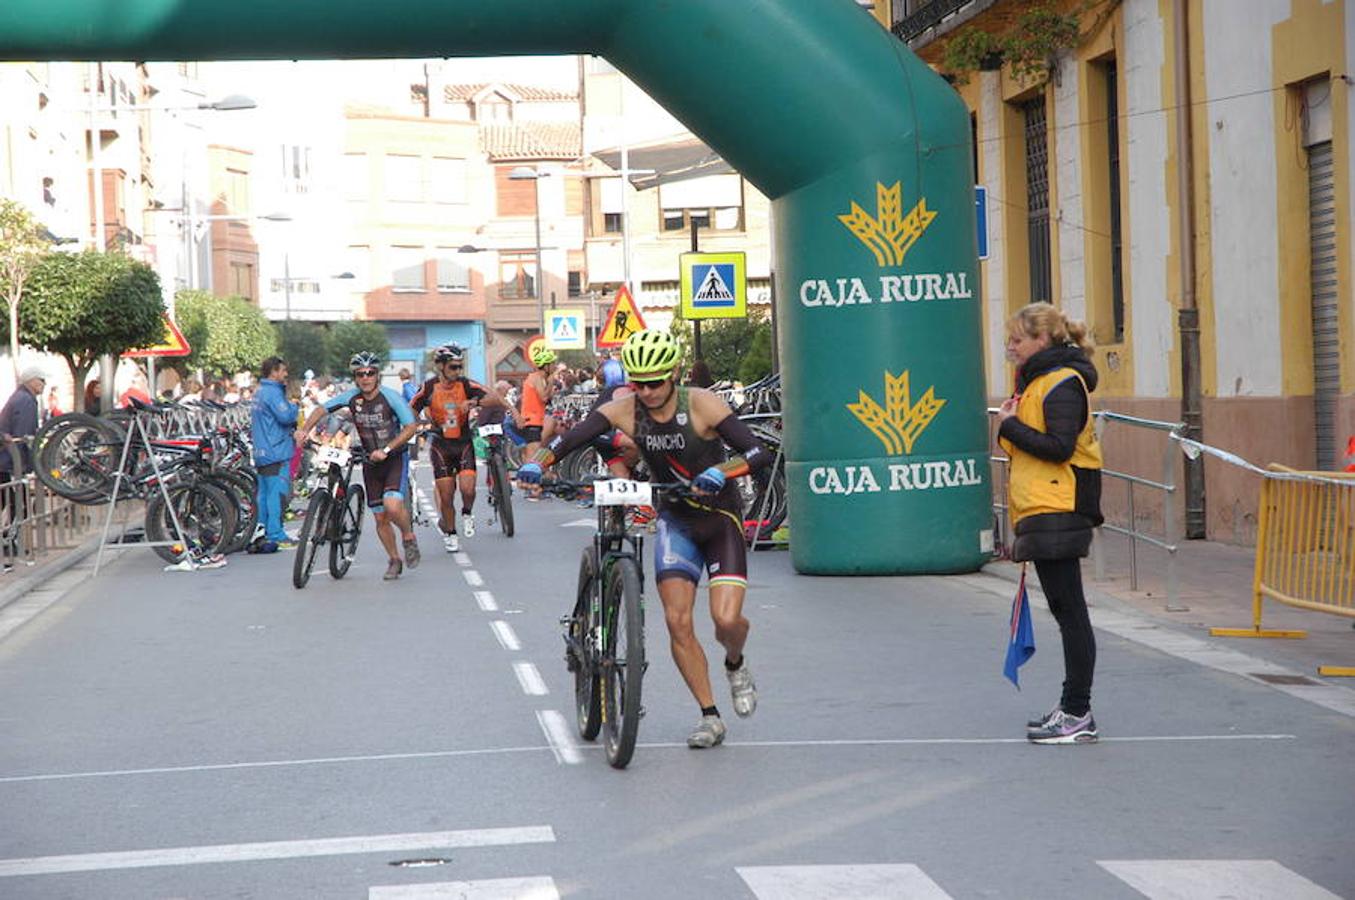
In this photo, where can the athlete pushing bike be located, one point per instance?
(679, 431)
(385, 426)
(447, 400)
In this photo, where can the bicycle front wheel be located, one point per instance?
(314, 531)
(345, 544)
(623, 660)
(503, 493)
(581, 654)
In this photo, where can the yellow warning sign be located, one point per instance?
(173, 343)
(623, 321)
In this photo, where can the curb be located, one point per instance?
(48, 570)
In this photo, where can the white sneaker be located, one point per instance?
(451, 542)
(468, 524)
(742, 690)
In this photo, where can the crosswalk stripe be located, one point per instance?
(189, 856)
(1214, 879)
(896, 882)
(484, 889)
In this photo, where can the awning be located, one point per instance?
(668, 161)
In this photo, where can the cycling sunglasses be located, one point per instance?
(647, 382)
(455, 367)
(365, 373)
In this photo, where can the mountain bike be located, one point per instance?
(334, 515)
(605, 633)
(500, 487)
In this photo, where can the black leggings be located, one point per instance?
(1061, 580)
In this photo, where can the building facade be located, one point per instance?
(1179, 179)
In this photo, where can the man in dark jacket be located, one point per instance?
(18, 421)
(271, 426)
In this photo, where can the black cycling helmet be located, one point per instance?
(364, 359)
(449, 353)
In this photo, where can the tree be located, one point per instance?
(21, 246)
(227, 334)
(347, 338)
(305, 345)
(728, 344)
(84, 305)
(757, 361)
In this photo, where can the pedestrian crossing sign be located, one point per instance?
(623, 321)
(714, 286)
(565, 329)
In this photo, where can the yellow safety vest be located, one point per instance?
(1040, 485)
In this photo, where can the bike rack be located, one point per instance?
(122, 543)
(758, 543)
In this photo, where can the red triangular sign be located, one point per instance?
(623, 321)
(173, 343)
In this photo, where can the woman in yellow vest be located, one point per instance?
(1055, 493)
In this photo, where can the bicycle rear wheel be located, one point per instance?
(580, 656)
(204, 512)
(345, 544)
(314, 532)
(623, 661)
(502, 492)
(77, 455)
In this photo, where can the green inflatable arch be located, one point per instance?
(864, 152)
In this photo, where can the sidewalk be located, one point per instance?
(1214, 583)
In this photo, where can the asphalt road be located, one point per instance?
(218, 734)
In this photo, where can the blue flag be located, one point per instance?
(1021, 642)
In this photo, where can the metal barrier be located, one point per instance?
(35, 521)
(1305, 546)
(1165, 541)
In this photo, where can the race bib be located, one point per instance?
(487, 430)
(336, 456)
(622, 492)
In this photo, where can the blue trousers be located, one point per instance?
(273, 490)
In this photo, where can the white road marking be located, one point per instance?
(580, 523)
(472, 578)
(462, 558)
(904, 882)
(530, 679)
(35, 601)
(504, 632)
(558, 736)
(491, 751)
(482, 889)
(1214, 879)
(190, 856)
(486, 601)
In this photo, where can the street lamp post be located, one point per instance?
(526, 173)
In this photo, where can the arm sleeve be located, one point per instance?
(341, 400)
(1065, 415)
(403, 414)
(422, 396)
(474, 390)
(751, 455)
(593, 425)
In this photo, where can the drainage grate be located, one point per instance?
(1270, 678)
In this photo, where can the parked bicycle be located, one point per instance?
(333, 516)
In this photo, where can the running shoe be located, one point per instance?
(451, 543)
(412, 553)
(1037, 724)
(707, 733)
(287, 544)
(1063, 728)
(742, 690)
(393, 570)
(468, 524)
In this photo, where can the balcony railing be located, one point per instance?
(932, 14)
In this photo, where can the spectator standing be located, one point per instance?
(272, 423)
(94, 392)
(612, 373)
(700, 375)
(18, 422)
(1054, 491)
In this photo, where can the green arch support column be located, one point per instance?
(863, 151)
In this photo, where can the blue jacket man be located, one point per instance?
(272, 422)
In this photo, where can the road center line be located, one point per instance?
(473, 578)
(530, 679)
(462, 558)
(557, 734)
(189, 856)
(504, 632)
(486, 601)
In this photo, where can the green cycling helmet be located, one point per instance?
(650, 354)
(542, 356)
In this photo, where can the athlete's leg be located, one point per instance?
(385, 533)
(398, 516)
(678, 595)
(446, 489)
(726, 610)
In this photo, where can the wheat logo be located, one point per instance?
(898, 423)
(889, 234)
